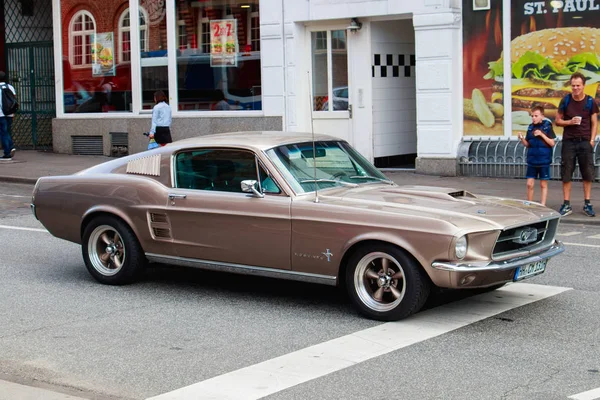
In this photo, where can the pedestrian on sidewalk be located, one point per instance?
(539, 142)
(6, 122)
(578, 114)
(161, 119)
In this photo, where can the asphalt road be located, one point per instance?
(66, 335)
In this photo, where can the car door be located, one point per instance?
(212, 219)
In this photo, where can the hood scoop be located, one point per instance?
(432, 192)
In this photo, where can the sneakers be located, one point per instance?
(5, 158)
(566, 209)
(12, 152)
(588, 210)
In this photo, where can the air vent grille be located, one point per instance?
(162, 233)
(87, 145)
(160, 218)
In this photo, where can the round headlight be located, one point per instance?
(460, 248)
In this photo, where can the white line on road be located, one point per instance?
(582, 244)
(22, 228)
(589, 395)
(11, 391)
(277, 374)
(594, 237)
(568, 234)
(15, 195)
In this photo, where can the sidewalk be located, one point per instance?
(29, 165)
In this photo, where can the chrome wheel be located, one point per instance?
(379, 281)
(106, 250)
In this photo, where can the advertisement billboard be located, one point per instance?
(550, 40)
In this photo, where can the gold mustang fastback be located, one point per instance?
(284, 205)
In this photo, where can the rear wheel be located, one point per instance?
(385, 284)
(111, 252)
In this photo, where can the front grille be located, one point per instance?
(525, 237)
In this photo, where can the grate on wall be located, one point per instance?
(119, 144)
(87, 145)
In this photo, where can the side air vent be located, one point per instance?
(162, 233)
(159, 218)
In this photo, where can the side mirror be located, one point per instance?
(250, 186)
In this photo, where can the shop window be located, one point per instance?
(125, 34)
(82, 30)
(154, 62)
(218, 56)
(329, 70)
(96, 79)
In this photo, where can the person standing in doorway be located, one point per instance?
(578, 114)
(161, 120)
(6, 122)
(539, 142)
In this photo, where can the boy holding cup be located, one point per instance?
(578, 114)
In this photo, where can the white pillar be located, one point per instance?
(438, 45)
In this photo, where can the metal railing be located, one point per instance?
(507, 158)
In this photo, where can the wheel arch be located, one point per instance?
(372, 241)
(107, 211)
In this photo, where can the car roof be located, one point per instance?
(259, 140)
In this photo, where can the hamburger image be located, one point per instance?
(542, 63)
(106, 57)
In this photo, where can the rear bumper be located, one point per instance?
(487, 273)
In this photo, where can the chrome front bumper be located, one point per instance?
(555, 249)
(32, 206)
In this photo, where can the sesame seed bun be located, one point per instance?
(558, 44)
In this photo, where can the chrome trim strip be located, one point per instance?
(243, 269)
(32, 207)
(555, 249)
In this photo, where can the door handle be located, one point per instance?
(173, 196)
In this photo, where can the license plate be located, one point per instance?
(531, 269)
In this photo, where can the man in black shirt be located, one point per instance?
(578, 114)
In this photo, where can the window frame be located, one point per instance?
(83, 33)
(142, 29)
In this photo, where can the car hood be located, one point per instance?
(458, 207)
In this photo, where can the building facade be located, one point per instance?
(405, 82)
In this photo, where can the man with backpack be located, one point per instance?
(8, 107)
(578, 114)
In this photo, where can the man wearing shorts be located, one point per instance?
(578, 114)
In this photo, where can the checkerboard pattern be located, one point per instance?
(393, 65)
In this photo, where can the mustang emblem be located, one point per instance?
(526, 236)
(328, 255)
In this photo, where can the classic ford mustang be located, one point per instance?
(287, 206)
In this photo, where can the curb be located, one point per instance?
(16, 179)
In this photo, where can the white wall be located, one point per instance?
(394, 97)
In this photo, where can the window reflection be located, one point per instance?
(218, 56)
(95, 79)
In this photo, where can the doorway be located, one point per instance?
(394, 94)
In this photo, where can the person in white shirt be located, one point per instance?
(5, 124)
(161, 119)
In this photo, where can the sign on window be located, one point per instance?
(223, 43)
(103, 55)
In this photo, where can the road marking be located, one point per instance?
(582, 244)
(594, 237)
(21, 228)
(568, 234)
(15, 195)
(277, 374)
(589, 395)
(11, 391)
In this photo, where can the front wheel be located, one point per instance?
(385, 284)
(111, 252)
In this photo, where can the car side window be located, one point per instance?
(220, 170)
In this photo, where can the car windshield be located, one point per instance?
(336, 164)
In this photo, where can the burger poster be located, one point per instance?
(223, 43)
(550, 40)
(103, 55)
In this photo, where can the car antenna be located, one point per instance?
(312, 129)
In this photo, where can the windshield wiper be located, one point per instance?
(330, 181)
(372, 177)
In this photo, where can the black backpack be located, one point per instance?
(10, 105)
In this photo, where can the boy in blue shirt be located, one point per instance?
(539, 142)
